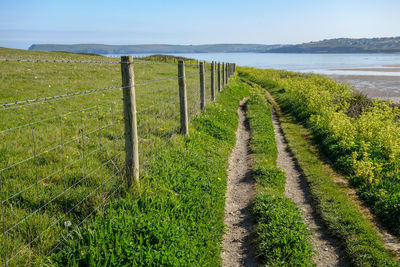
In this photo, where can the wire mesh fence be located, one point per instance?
(62, 143)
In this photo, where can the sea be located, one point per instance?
(377, 75)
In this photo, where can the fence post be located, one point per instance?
(219, 76)
(202, 87)
(182, 98)
(212, 81)
(131, 136)
(223, 75)
(226, 73)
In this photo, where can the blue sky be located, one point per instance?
(24, 22)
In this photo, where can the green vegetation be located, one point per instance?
(345, 45)
(339, 45)
(282, 237)
(70, 159)
(311, 98)
(176, 218)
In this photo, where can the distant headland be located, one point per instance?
(339, 45)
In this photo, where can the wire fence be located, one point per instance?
(63, 154)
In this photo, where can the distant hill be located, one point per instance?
(153, 48)
(344, 45)
(340, 45)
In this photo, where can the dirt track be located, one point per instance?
(237, 247)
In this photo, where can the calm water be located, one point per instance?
(318, 63)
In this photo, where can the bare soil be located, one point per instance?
(326, 249)
(237, 247)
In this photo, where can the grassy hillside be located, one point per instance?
(345, 45)
(176, 219)
(153, 48)
(61, 158)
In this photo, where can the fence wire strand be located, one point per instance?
(97, 139)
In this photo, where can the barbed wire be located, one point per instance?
(59, 60)
(29, 102)
(54, 117)
(89, 144)
(89, 61)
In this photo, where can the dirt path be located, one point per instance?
(237, 247)
(327, 252)
(390, 241)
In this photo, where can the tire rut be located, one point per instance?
(327, 251)
(237, 247)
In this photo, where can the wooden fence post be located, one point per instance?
(212, 81)
(219, 77)
(223, 75)
(183, 98)
(131, 136)
(226, 73)
(202, 87)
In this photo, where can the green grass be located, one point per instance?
(91, 129)
(176, 218)
(281, 236)
(356, 234)
(361, 136)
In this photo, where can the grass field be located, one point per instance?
(177, 218)
(61, 158)
(62, 174)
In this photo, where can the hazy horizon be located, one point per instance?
(122, 22)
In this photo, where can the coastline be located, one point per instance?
(384, 87)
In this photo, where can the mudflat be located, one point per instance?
(384, 87)
(386, 69)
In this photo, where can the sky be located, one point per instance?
(26, 22)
